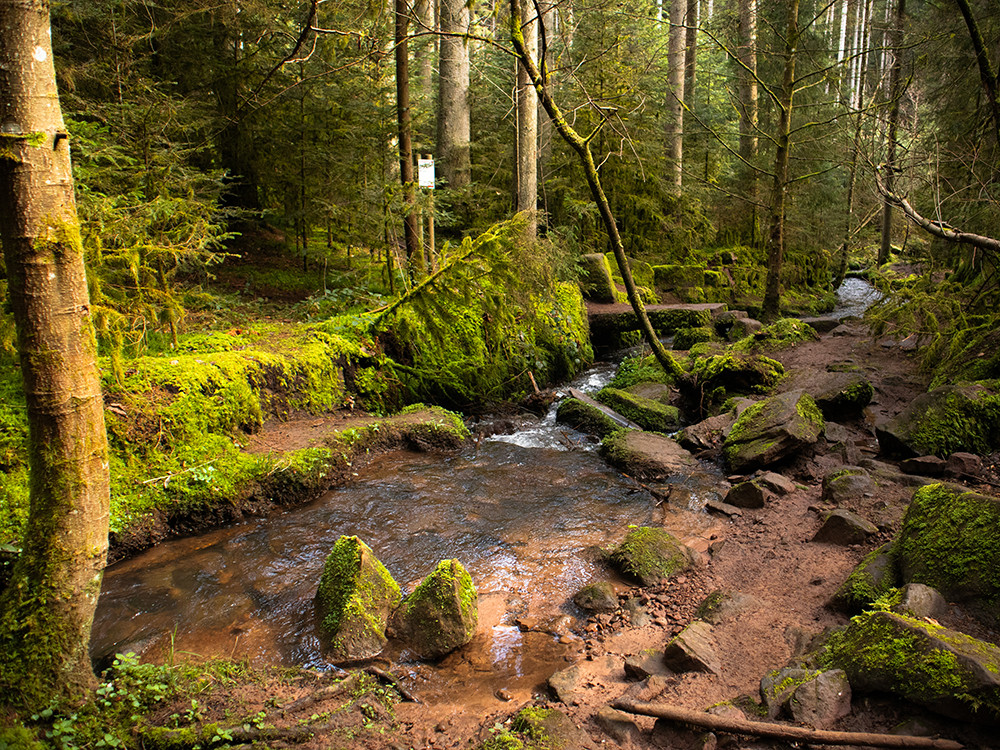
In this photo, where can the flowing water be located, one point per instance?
(523, 512)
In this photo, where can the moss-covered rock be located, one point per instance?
(874, 576)
(356, 595)
(724, 375)
(635, 370)
(846, 484)
(948, 672)
(647, 455)
(599, 596)
(585, 417)
(648, 414)
(673, 277)
(950, 540)
(952, 418)
(840, 394)
(780, 334)
(685, 338)
(651, 555)
(595, 278)
(771, 430)
(441, 614)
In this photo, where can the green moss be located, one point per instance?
(950, 540)
(736, 373)
(648, 414)
(650, 554)
(873, 577)
(585, 418)
(780, 334)
(635, 370)
(686, 338)
(967, 419)
(19, 738)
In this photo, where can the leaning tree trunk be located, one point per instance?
(47, 609)
(581, 146)
(776, 240)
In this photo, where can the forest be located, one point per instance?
(253, 247)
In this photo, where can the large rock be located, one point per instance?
(356, 595)
(920, 601)
(952, 418)
(844, 527)
(651, 555)
(647, 455)
(948, 672)
(645, 412)
(596, 278)
(873, 577)
(822, 700)
(777, 687)
(441, 614)
(707, 434)
(692, 650)
(840, 394)
(771, 430)
(847, 483)
(950, 540)
(732, 372)
(587, 417)
(750, 494)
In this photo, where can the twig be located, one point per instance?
(171, 475)
(389, 679)
(780, 731)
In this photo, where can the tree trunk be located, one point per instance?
(895, 48)
(527, 126)
(989, 79)
(454, 116)
(675, 104)
(581, 146)
(411, 232)
(748, 109)
(690, 50)
(47, 609)
(776, 240)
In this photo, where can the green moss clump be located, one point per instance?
(686, 338)
(950, 540)
(650, 555)
(781, 333)
(966, 419)
(648, 414)
(635, 370)
(874, 576)
(442, 613)
(585, 418)
(737, 373)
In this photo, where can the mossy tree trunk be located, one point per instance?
(776, 240)
(581, 146)
(47, 609)
(895, 45)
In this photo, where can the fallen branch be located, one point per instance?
(780, 731)
(388, 679)
(325, 693)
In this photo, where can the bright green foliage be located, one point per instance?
(648, 414)
(635, 370)
(877, 574)
(585, 418)
(650, 555)
(780, 334)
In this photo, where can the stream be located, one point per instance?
(525, 513)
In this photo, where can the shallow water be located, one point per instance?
(854, 297)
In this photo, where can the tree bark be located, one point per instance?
(895, 48)
(454, 114)
(746, 51)
(581, 146)
(527, 125)
(776, 239)
(675, 104)
(47, 609)
(690, 50)
(411, 230)
(986, 74)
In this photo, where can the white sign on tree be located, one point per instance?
(425, 169)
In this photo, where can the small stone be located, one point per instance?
(776, 688)
(717, 506)
(504, 695)
(597, 597)
(920, 601)
(618, 725)
(645, 664)
(747, 495)
(925, 466)
(776, 483)
(964, 465)
(819, 702)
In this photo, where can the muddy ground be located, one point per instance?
(767, 555)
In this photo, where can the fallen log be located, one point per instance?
(781, 731)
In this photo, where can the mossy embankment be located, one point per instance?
(179, 422)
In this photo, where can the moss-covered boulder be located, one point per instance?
(725, 374)
(846, 484)
(633, 371)
(771, 430)
(599, 596)
(647, 455)
(840, 394)
(651, 555)
(647, 413)
(874, 576)
(951, 418)
(685, 338)
(441, 614)
(948, 672)
(595, 278)
(674, 277)
(950, 540)
(585, 417)
(781, 333)
(355, 598)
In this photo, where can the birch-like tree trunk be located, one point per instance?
(527, 126)
(675, 104)
(47, 609)
(454, 114)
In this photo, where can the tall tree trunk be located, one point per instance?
(47, 609)
(581, 146)
(895, 47)
(690, 50)
(425, 49)
(675, 104)
(746, 51)
(776, 239)
(989, 79)
(527, 125)
(411, 230)
(454, 115)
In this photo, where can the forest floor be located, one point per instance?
(766, 555)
